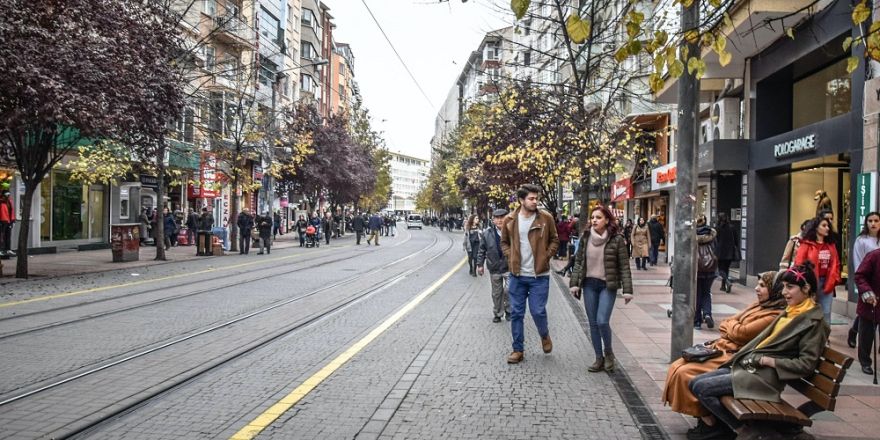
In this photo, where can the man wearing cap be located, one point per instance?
(7, 218)
(490, 253)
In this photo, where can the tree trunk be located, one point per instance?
(160, 198)
(684, 273)
(234, 203)
(21, 264)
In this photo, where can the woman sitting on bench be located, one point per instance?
(788, 349)
(736, 332)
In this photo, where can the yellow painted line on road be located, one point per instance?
(275, 411)
(152, 280)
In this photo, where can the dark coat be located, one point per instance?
(657, 234)
(264, 225)
(868, 280)
(327, 223)
(192, 221)
(727, 246)
(706, 237)
(616, 260)
(490, 251)
(206, 221)
(796, 349)
(358, 223)
(245, 223)
(170, 225)
(375, 222)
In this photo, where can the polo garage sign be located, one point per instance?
(794, 147)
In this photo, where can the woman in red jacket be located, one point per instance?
(818, 247)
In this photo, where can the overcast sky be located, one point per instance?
(434, 39)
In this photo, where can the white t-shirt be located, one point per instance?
(527, 259)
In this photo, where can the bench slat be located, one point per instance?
(837, 357)
(825, 401)
(758, 412)
(791, 414)
(824, 384)
(830, 370)
(735, 407)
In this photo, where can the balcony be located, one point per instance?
(232, 30)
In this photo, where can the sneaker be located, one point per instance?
(496, 319)
(709, 321)
(698, 326)
(547, 344)
(515, 357)
(507, 316)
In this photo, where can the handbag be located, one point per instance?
(699, 353)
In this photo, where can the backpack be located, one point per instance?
(706, 260)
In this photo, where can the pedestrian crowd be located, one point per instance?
(777, 338)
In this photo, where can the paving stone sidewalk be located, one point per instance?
(643, 328)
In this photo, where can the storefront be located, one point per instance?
(806, 125)
(71, 213)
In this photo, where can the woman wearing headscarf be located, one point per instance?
(736, 332)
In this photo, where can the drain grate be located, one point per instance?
(652, 432)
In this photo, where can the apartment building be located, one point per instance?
(408, 175)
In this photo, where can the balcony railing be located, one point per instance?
(234, 30)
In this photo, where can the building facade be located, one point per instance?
(408, 175)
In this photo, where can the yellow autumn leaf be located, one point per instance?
(852, 63)
(676, 69)
(519, 8)
(633, 29)
(861, 12)
(621, 54)
(847, 43)
(720, 44)
(724, 58)
(656, 82)
(790, 32)
(578, 29)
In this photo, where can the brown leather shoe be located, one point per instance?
(515, 357)
(547, 344)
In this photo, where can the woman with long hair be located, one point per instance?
(788, 349)
(735, 332)
(600, 269)
(641, 241)
(818, 247)
(472, 242)
(867, 241)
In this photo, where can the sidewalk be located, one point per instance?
(644, 330)
(69, 262)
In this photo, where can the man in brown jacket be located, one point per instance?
(529, 240)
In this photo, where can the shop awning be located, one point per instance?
(183, 155)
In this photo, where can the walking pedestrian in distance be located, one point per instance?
(301, 225)
(490, 254)
(144, 220)
(868, 285)
(658, 237)
(276, 225)
(727, 249)
(707, 271)
(264, 226)
(472, 242)
(529, 240)
(563, 231)
(627, 234)
(358, 223)
(170, 228)
(818, 247)
(601, 268)
(375, 226)
(867, 241)
(245, 230)
(192, 224)
(7, 220)
(641, 241)
(328, 226)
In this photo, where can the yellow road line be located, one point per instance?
(275, 411)
(152, 280)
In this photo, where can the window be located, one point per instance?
(822, 95)
(341, 69)
(308, 51)
(307, 83)
(210, 7)
(308, 18)
(210, 58)
(527, 58)
(267, 73)
(124, 205)
(189, 116)
(527, 27)
(270, 27)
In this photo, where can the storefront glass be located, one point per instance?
(815, 188)
(822, 95)
(70, 210)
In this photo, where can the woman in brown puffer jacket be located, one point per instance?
(641, 241)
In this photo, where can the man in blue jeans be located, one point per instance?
(529, 240)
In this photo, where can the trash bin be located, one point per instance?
(125, 242)
(204, 242)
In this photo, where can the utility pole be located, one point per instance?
(684, 274)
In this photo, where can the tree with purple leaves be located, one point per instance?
(82, 69)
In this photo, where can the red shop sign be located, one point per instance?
(621, 190)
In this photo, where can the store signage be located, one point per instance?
(151, 182)
(204, 189)
(866, 195)
(258, 172)
(621, 190)
(663, 177)
(805, 144)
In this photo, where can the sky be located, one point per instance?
(434, 39)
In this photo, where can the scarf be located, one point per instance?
(776, 300)
(791, 312)
(598, 240)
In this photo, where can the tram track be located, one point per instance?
(260, 341)
(52, 325)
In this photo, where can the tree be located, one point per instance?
(76, 70)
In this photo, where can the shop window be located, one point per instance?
(124, 203)
(822, 95)
(810, 187)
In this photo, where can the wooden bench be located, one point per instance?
(821, 388)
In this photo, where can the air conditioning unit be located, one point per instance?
(725, 118)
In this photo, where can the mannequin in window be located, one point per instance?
(823, 201)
